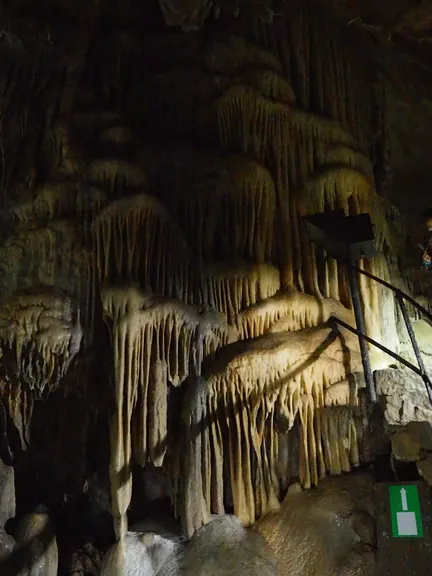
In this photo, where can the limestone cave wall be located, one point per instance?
(160, 301)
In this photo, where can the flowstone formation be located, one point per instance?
(159, 245)
(217, 226)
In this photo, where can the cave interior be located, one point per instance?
(165, 346)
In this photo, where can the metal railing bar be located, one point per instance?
(361, 327)
(411, 334)
(397, 291)
(423, 374)
(408, 364)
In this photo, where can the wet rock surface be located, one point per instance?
(7, 493)
(161, 305)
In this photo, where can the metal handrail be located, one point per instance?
(407, 363)
(418, 371)
(360, 331)
(397, 291)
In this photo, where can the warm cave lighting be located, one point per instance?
(181, 393)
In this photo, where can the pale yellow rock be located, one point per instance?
(38, 544)
(327, 531)
(425, 470)
(405, 448)
(404, 397)
(225, 547)
(7, 493)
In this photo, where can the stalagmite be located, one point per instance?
(37, 544)
(155, 342)
(144, 554)
(240, 392)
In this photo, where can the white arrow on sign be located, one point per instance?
(404, 499)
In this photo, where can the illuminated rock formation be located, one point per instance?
(339, 539)
(330, 530)
(155, 342)
(155, 266)
(230, 425)
(37, 544)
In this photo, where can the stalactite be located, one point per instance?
(228, 54)
(154, 342)
(77, 49)
(19, 401)
(278, 125)
(89, 124)
(264, 129)
(344, 157)
(108, 172)
(137, 239)
(327, 74)
(116, 135)
(270, 84)
(189, 17)
(233, 196)
(233, 287)
(289, 311)
(285, 372)
(158, 410)
(57, 200)
(40, 331)
(379, 303)
(62, 153)
(224, 61)
(52, 255)
(193, 88)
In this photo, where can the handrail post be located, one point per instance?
(396, 291)
(361, 328)
(426, 379)
(410, 330)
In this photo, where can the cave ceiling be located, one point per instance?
(153, 184)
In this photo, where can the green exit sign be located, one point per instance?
(405, 511)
